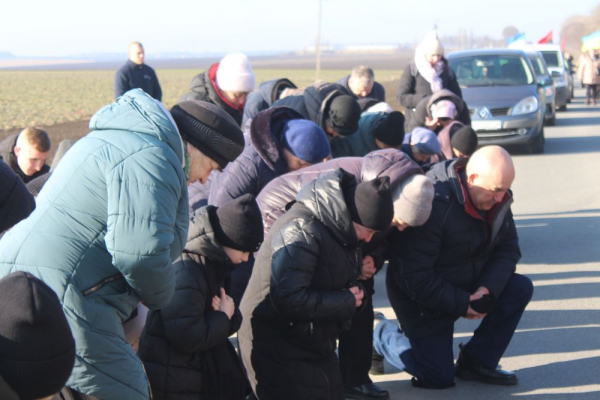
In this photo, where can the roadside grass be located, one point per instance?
(42, 98)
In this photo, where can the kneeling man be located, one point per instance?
(460, 263)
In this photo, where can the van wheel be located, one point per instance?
(537, 147)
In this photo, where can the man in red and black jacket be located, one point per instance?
(460, 263)
(225, 84)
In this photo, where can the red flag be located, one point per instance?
(563, 44)
(546, 39)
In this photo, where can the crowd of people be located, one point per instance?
(128, 264)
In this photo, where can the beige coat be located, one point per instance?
(588, 70)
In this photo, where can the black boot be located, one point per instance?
(368, 391)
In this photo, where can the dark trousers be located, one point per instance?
(431, 359)
(591, 93)
(356, 344)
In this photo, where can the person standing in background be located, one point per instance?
(137, 75)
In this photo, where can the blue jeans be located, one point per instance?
(431, 359)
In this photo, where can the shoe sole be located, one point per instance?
(469, 376)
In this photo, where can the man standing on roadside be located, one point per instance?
(26, 153)
(137, 75)
(460, 263)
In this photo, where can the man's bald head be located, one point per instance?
(490, 173)
(136, 53)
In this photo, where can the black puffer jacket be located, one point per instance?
(413, 88)
(261, 161)
(423, 110)
(267, 93)
(7, 154)
(296, 303)
(435, 268)
(186, 343)
(377, 93)
(314, 101)
(203, 87)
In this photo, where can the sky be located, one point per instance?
(59, 28)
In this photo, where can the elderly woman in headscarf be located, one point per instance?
(427, 74)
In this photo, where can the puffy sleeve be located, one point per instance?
(146, 227)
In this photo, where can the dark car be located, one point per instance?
(547, 86)
(501, 90)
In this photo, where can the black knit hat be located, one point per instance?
(465, 140)
(370, 203)
(210, 129)
(16, 203)
(37, 349)
(238, 224)
(344, 113)
(390, 130)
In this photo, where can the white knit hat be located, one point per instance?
(412, 200)
(431, 44)
(235, 73)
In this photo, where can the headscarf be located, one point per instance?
(430, 45)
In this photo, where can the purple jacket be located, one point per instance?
(273, 199)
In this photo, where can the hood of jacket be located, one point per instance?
(393, 163)
(324, 198)
(446, 94)
(201, 238)
(265, 135)
(137, 112)
(270, 90)
(318, 97)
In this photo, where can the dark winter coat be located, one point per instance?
(261, 161)
(267, 93)
(7, 154)
(361, 142)
(423, 111)
(413, 88)
(313, 103)
(434, 268)
(134, 76)
(378, 91)
(296, 304)
(204, 87)
(180, 341)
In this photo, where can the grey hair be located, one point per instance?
(363, 73)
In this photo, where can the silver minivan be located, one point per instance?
(503, 97)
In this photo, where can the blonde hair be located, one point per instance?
(34, 137)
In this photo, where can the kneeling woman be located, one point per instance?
(185, 346)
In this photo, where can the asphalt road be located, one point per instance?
(556, 349)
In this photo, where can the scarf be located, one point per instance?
(431, 74)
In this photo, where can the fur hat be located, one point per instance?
(235, 74)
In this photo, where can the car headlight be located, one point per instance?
(548, 91)
(526, 106)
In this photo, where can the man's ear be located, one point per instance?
(16, 150)
(471, 178)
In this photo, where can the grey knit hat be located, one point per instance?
(412, 200)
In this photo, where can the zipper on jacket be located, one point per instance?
(311, 328)
(102, 283)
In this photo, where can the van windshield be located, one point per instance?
(492, 70)
(552, 58)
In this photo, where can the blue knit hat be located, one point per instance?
(306, 140)
(425, 140)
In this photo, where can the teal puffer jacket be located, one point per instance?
(108, 224)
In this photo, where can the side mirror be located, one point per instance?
(556, 74)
